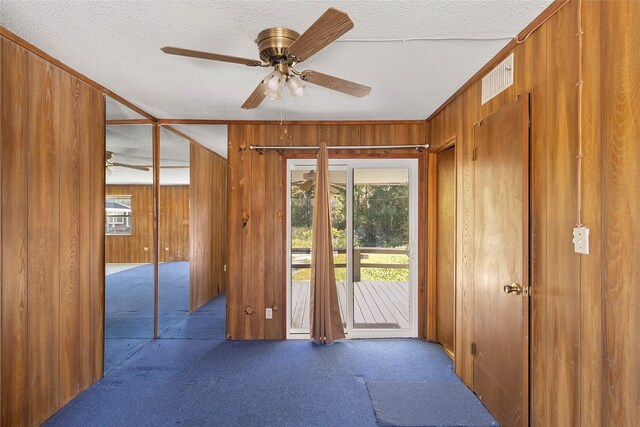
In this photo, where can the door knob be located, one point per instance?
(513, 288)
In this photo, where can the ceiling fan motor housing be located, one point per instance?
(273, 44)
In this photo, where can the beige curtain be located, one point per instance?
(326, 324)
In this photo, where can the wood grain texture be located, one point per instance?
(329, 27)
(432, 255)
(210, 56)
(208, 226)
(256, 97)
(15, 85)
(43, 218)
(137, 247)
(95, 137)
(52, 269)
(583, 352)
(562, 264)
(69, 228)
(234, 198)
(256, 186)
(620, 211)
(500, 257)
(174, 223)
(591, 330)
(336, 83)
(445, 248)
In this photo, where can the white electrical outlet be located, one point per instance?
(581, 240)
(269, 313)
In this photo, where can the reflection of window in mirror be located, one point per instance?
(118, 215)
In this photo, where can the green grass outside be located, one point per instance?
(373, 274)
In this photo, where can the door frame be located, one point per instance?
(352, 162)
(432, 239)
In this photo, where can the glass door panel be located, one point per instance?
(374, 222)
(302, 192)
(381, 291)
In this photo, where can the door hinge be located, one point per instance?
(525, 291)
(474, 154)
(473, 349)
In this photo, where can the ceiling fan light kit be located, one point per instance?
(295, 86)
(282, 49)
(272, 84)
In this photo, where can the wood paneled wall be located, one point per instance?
(52, 237)
(256, 190)
(173, 226)
(445, 247)
(174, 223)
(208, 226)
(584, 349)
(620, 216)
(137, 247)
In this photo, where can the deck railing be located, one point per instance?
(359, 254)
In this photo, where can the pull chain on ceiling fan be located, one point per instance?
(282, 49)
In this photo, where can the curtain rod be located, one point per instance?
(338, 147)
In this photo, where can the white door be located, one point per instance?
(374, 220)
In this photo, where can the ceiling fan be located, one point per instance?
(110, 163)
(282, 49)
(309, 181)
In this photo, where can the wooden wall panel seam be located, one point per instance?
(207, 226)
(248, 286)
(582, 348)
(42, 354)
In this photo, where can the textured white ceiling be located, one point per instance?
(132, 144)
(211, 136)
(117, 43)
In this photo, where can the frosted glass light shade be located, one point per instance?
(295, 86)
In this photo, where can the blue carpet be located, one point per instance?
(427, 404)
(192, 376)
(129, 307)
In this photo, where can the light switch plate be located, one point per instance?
(581, 240)
(269, 313)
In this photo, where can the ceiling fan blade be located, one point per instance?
(256, 97)
(124, 165)
(212, 56)
(329, 27)
(336, 83)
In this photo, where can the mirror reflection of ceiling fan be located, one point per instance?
(110, 163)
(309, 182)
(145, 168)
(282, 49)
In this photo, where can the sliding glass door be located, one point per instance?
(374, 221)
(301, 195)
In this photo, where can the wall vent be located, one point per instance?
(498, 79)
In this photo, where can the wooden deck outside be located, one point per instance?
(377, 305)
